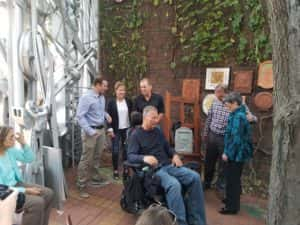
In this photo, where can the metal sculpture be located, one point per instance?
(50, 54)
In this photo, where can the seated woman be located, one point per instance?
(39, 200)
(237, 150)
(157, 215)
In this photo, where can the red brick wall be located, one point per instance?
(159, 42)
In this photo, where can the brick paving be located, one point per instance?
(103, 208)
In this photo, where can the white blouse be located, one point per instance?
(123, 114)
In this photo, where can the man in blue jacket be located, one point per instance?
(147, 144)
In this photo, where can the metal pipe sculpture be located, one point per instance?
(51, 53)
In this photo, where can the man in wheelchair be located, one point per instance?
(147, 144)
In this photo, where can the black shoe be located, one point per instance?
(206, 186)
(226, 211)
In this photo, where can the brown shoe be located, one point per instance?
(98, 183)
(83, 193)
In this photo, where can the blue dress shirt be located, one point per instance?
(91, 111)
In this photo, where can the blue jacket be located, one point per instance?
(9, 160)
(238, 139)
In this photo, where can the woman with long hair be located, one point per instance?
(39, 200)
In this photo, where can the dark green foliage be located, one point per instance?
(205, 31)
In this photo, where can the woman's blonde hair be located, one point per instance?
(119, 84)
(3, 134)
(157, 215)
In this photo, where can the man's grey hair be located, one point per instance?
(233, 97)
(222, 87)
(148, 109)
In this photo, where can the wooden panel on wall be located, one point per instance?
(243, 81)
(191, 89)
(263, 101)
(265, 75)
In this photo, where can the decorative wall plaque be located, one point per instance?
(191, 89)
(263, 101)
(243, 81)
(207, 102)
(265, 75)
(215, 76)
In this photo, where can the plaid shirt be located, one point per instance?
(217, 118)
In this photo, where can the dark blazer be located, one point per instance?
(112, 110)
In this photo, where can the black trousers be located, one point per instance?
(233, 173)
(118, 142)
(214, 151)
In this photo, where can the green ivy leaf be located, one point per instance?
(172, 65)
(155, 2)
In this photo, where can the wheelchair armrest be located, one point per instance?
(193, 165)
(133, 165)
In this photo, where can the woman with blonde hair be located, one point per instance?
(119, 108)
(38, 199)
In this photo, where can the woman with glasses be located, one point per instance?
(157, 215)
(39, 200)
(237, 150)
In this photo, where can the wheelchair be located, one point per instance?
(142, 188)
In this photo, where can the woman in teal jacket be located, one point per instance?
(39, 200)
(237, 150)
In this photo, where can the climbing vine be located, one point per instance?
(210, 31)
(121, 43)
(205, 32)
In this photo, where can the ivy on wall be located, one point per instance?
(205, 31)
(121, 43)
(209, 31)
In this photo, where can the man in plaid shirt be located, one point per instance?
(214, 132)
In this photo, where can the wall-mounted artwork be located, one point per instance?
(215, 76)
(263, 101)
(243, 81)
(265, 75)
(191, 89)
(207, 102)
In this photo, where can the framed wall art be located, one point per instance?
(242, 81)
(215, 76)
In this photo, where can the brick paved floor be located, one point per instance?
(102, 208)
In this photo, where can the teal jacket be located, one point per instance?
(9, 160)
(238, 138)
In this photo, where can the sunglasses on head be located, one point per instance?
(171, 213)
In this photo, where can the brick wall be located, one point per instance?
(159, 43)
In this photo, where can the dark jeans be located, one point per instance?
(215, 148)
(233, 173)
(118, 142)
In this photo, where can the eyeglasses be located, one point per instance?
(171, 213)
